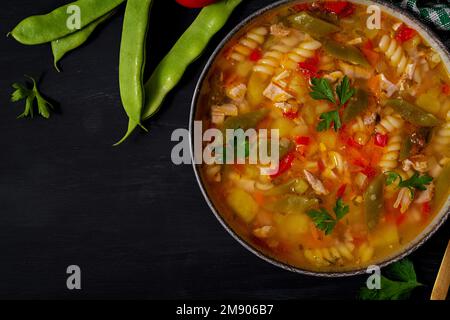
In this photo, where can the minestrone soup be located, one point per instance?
(364, 123)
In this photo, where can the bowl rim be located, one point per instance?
(418, 241)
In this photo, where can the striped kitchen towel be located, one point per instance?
(436, 13)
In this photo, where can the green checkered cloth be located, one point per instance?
(436, 13)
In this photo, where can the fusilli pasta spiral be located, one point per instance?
(251, 41)
(389, 160)
(335, 255)
(271, 60)
(395, 53)
(306, 49)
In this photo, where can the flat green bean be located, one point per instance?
(357, 105)
(185, 51)
(312, 25)
(52, 26)
(345, 52)
(373, 201)
(413, 113)
(132, 59)
(61, 47)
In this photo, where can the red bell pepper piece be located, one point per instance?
(255, 55)
(340, 192)
(400, 219)
(369, 171)
(303, 140)
(381, 140)
(371, 55)
(352, 143)
(404, 33)
(321, 165)
(341, 8)
(310, 67)
(301, 7)
(285, 164)
(290, 114)
(426, 209)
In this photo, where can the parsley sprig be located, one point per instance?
(402, 280)
(416, 182)
(325, 221)
(321, 90)
(30, 95)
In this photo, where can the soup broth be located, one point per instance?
(363, 117)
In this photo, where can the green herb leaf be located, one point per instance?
(402, 280)
(391, 177)
(390, 290)
(321, 90)
(323, 220)
(329, 118)
(402, 271)
(417, 182)
(340, 209)
(22, 92)
(344, 91)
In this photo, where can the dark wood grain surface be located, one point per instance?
(136, 224)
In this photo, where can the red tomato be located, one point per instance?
(446, 89)
(195, 3)
(404, 33)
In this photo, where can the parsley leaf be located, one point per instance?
(417, 182)
(321, 90)
(392, 177)
(329, 118)
(344, 92)
(402, 280)
(340, 209)
(30, 96)
(402, 271)
(324, 221)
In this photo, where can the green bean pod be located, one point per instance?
(246, 121)
(52, 26)
(185, 51)
(293, 204)
(132, 59)
(357, 105)
(374, 201)
(412, 113)
(345, 52)
(312, 25)
(442, 188)
(61, 47)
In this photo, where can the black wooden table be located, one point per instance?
(135, 223)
